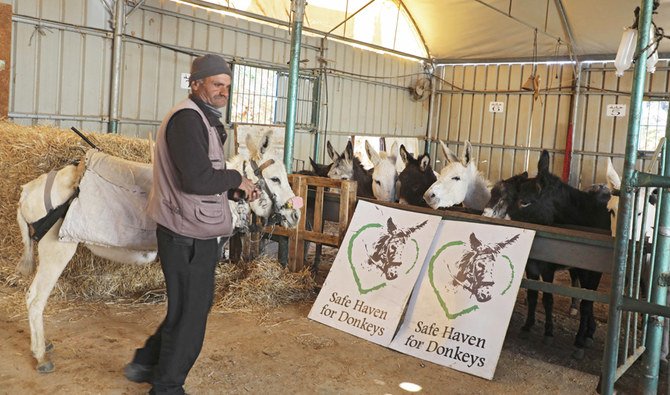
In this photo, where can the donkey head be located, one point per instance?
(455, 179)
(503, 195)
(415, 179)
(277, 197)
(343, 165)
(384, 174)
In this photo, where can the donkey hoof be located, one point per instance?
(524, 334)
(578, 354)
(49, 347)
(573, 312)
(548, 340)
(46, 367)
(588, 342)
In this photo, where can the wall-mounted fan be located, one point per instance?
(420, 89)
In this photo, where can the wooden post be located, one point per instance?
(5, 53)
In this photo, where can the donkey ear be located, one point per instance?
(331, 152)
(251, 145)
(425, 162)
(613, 179)
(372, 153)
(394, 149)
(467, 153)
(349, 151)
(543, 163)
(265, 142)
(524, 175)
(475, 243)
(404, 154)
(447, 153)
(390, 225)
(314, 165)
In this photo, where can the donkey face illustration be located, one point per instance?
(387, 254)
(475, 268)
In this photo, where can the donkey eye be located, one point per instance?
(378, 182)
(524, 204)
(457, 178)
(276, 179)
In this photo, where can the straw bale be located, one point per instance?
(28, 151)
(25, 153)
(266, 285)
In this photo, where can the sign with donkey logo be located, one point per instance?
(461, 306)
(374, 271)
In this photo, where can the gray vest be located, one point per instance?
(197, 216)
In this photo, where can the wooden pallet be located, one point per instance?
(320, 206)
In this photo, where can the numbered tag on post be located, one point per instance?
(183, 81)
(616, 110)
(496, 106)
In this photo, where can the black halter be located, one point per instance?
(275, 216)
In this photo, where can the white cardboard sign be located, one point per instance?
(463, 300)
(374, 271)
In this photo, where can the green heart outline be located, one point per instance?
(467, 310)
(350, 248)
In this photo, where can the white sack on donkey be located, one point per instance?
(111, 207)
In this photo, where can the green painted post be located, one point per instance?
(609, 365)
(296, 35)
(658, 291)
(316, 115)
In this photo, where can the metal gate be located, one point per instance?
(636, 314)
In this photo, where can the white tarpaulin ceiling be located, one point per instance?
(461, 30)
(487, 30)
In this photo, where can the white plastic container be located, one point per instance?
(624, 55)
(653, 59)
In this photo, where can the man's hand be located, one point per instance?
(251, 192)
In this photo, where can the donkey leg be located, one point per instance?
(532, 273)
(574, 282)
(587, 323)
(57, 254)
(548, 302)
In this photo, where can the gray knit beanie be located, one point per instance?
(207, 66)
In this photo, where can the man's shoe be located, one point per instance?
(139, 373)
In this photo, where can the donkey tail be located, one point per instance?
(27, 263)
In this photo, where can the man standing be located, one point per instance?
(189, 202)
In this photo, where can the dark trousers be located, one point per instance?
(188, 265)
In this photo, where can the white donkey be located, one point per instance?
(54, 254)
(459, 182)
(384, 172)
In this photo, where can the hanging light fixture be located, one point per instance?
(533, 81)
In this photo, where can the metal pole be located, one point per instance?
(316, 112)
(119, 25)
(609, 364)
(569, 139)
(658, 291)
(431, 110)
(296, 34)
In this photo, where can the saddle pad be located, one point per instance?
(111, 207)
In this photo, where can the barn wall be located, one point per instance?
(510, 142)
(61, 69)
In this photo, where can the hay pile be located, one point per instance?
(27, 152)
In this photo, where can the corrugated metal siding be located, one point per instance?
(504, 143)
(604, 136)
(510, 142)
(60, 63)
(61, 72)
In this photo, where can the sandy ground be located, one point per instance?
(277, 352)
